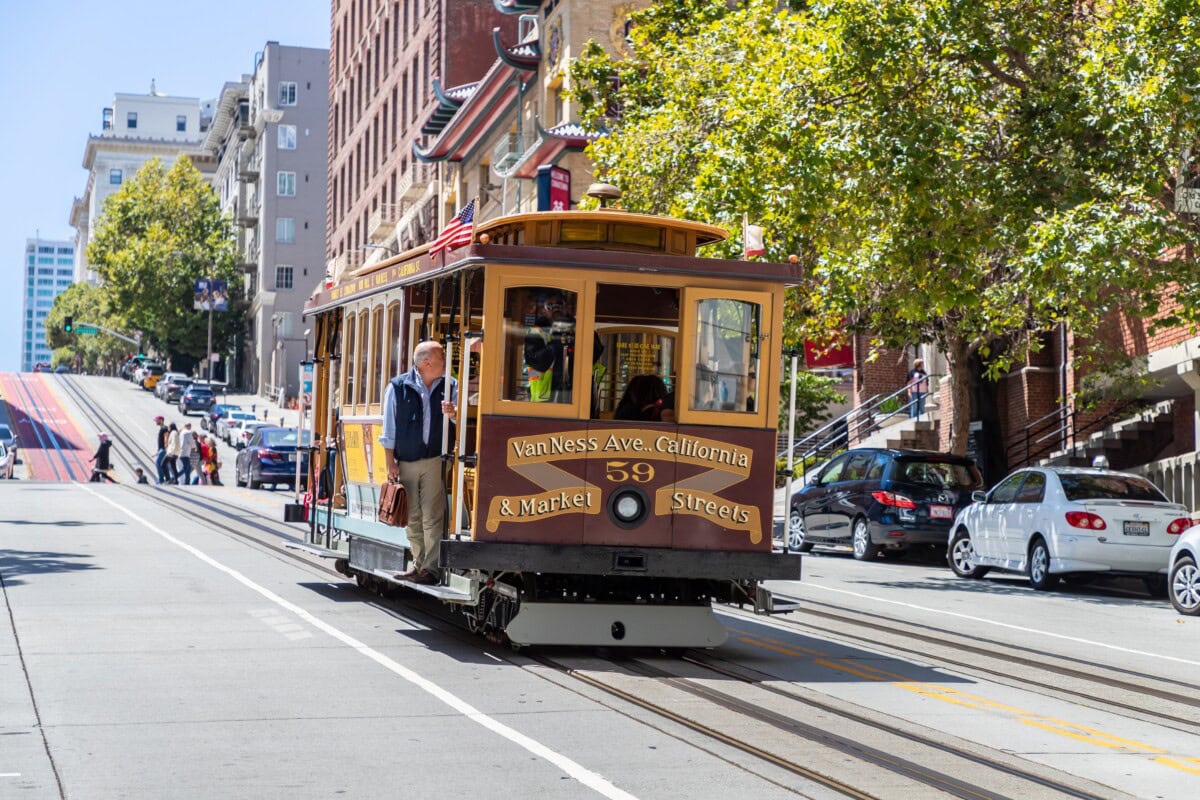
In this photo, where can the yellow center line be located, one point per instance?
(955, 697)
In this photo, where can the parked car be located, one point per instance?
(218, 410)
(245, 432)
(9, 439)
(151, 373)
(170, 387)
(41, 366)
(876, 499)
(8, 459)
(1183, 572)
(196, 398)
(161, 387)
(227, 424)
(62, 369)
(270, 457)
(1051, 522)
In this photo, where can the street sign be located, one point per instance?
(87, 329)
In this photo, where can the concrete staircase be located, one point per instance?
(1127, 443)
(899, 431)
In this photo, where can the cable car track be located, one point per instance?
(267, 537)
(1006, 653)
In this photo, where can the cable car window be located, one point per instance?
(634, 352)
(376, 352)
(728, 333)
(394, 340)
(360, 395)
(350, 360)
(539, 344)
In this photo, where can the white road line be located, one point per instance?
(587, 777)
(1010, 626)
(10, 774)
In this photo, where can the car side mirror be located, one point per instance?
(16, 440)
(979, 496)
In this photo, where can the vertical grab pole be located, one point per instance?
(791, 440)
(464, 387)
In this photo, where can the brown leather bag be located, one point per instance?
(393, 505)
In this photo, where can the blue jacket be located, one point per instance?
(407, 428)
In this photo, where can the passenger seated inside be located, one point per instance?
(644, 399)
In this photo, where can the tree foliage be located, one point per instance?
(157, 235)
(86, 304)
(967, 174)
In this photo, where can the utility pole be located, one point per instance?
(211, 303)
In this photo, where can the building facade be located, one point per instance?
(384, 59)
(268, 140)
(49, 271)
(135, 129)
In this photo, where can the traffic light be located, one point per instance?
(69, 324)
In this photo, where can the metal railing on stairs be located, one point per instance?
(856, 424)
(1057, 431)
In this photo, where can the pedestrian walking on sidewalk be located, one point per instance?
(100, 460)
(917, 385)
(187, 448)
(160, 449)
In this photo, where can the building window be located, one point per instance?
(114, 176)
(285, 230)
(287, 93)
(131, 120)
(181, 123)
(287, 137)
(283, 277)
(285, 184)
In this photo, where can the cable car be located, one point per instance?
(611, 475)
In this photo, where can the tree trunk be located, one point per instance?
(958, 359)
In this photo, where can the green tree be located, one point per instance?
(968, 174)
(157, 235)
(87, 304)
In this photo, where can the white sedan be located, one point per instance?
(8, 457)
(1183, 583)
(1051, 522)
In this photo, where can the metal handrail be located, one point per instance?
(848, 426)
(1041, 438)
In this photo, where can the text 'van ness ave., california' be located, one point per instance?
(630, 443)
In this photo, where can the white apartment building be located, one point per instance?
(135, 129)
(269, 141)
(49, 268)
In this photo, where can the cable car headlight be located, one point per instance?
(628, 506)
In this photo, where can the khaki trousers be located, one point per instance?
(426, 509)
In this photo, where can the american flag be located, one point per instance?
(460, 231)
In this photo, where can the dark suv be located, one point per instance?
(876, 499)
(196, 398)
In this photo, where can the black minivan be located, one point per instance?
(877, 499)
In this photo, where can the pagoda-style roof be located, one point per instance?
(517, 6)
(464, 116)
(551, 144)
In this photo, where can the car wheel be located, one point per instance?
(961, 556)
(1038, 566)
(795, 533)
(237, 476)
(251, 481)
(1184, 586)
(864, 548)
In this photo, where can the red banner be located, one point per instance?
(819, 355)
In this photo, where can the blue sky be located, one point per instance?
(61, 63)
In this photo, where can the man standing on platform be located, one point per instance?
(413, 406)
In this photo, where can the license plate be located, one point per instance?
(1136, 528)
(941, 512)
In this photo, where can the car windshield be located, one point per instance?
(194, 392)
(282, 438)
(241, 415)
(1109, 487)
(5, 432)
(942, 474)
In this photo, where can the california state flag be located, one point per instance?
(752, 238)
